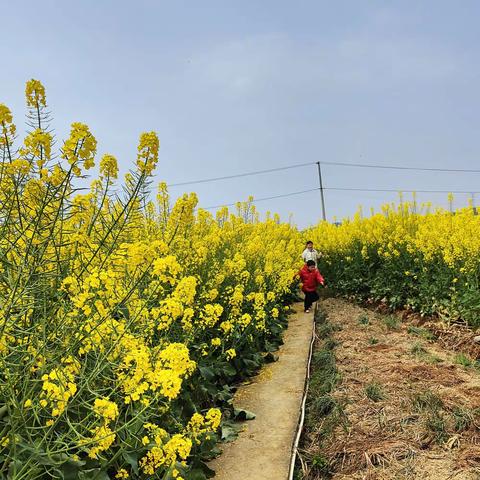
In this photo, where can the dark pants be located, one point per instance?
(310, 297)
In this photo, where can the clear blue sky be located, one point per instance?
(248, 85)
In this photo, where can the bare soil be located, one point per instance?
(411, 410)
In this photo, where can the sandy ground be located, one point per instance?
(397, 436)
(263, 449)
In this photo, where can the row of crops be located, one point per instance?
(407, 256)
(125, 320)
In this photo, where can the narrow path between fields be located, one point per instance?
(262, 450)
(410, 409)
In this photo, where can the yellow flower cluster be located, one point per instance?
(230, 353)
(38, 144)
(102, 440)
(109, 166)
(117, 311)
(451, 237)
(105, 409)
(58, 388)
(103, 435)
(80, 146)
(200, 425)
(165, 452)
(409, 255)
(8, 129)
(122, 473)
(35, 94)
(147, 157)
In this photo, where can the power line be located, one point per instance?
(255, 200)
(246, 174)
(398, 190)
(399, 167)
(321, 188)
(382, 190)
(339, 164)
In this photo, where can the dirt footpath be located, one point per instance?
(411, 408)
(263, 449)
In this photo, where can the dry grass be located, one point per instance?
(424, 425)
(456, 338)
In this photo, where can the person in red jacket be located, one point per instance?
(311, 278)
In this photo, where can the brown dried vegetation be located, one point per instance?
(425, 424)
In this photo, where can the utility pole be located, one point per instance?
(321, 190)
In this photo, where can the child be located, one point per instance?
(310, 253)
(311, 278)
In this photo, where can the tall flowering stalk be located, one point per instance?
(122, 320)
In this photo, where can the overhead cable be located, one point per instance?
(400, 167)
(255, 200)
(398, 190)
(246, 174)
(340, 164)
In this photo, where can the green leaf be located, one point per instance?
(229, 432)
(206, 372)
(132, 459)
(70, 470)
(270, 357)
(93, 474)
(242, 415)
(197, 474)
(225, 394)
(201, 471)
(252, 365)
(15, 466)
(229, 370)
